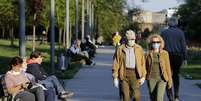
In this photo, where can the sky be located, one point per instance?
(154, 5)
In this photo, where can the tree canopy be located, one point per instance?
(190, 14)
(109, 15)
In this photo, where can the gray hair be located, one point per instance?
(130, 33)
(173, 21)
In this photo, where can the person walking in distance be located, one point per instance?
(175, 44)
(128, 69)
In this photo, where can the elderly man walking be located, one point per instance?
(175, 44)
(129, 68)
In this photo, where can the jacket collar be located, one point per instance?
(125, 47)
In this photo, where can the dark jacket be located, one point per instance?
(175, 42)
(36, 70)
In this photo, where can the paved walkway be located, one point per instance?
(95, 83)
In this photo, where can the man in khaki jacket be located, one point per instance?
(129, 68)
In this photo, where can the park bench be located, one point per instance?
(4, 96)
(64, 60)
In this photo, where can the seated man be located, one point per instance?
(77, 54)
(34, 68)
(89, 47)
(49, 92)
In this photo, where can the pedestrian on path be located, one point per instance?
(175, 44)
(158, 68)
(78, 55)
(129, 68)
(116, 39)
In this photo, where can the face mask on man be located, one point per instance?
(131, 43)
(156, 45)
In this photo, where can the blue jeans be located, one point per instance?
(50, 94)
(53, 82)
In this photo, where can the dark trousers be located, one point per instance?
(130, 87)
(35, 94)
(175, 63)
(50, 94)
(24, 96)
(39, 93)
(79, 57)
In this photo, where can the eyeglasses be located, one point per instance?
(156, 42)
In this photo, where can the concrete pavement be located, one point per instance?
(95, 83)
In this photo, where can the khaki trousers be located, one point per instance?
(130, 87)
(156, 89)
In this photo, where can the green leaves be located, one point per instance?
(110, 18)
(190, 14)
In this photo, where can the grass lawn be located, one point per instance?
(7, 52)
(70, 72)
(193, 69)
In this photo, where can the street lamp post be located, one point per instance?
(76, 19)
(67, 24)
(52, 44)
(22, 50)
(83, 19)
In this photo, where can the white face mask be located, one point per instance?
(131, 43)
(156, 45)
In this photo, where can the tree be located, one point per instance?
(60, 15)
(35, 8)
(109, 17)
(8, 18)
(190, 14)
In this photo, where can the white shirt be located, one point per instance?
(130, 57)
(74, 49)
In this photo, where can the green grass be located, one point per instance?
(193, 69)
(70, 72)
(7, 52)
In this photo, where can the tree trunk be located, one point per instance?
(64, 37)
(47, 32)
(60, 37)
(11, 32)
(34, 34)
(3, 32)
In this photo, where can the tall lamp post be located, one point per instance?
(22, 50)
(67, 24)
(83, 18)
(52, 24)
(76, 19)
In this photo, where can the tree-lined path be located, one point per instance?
(95, 83)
